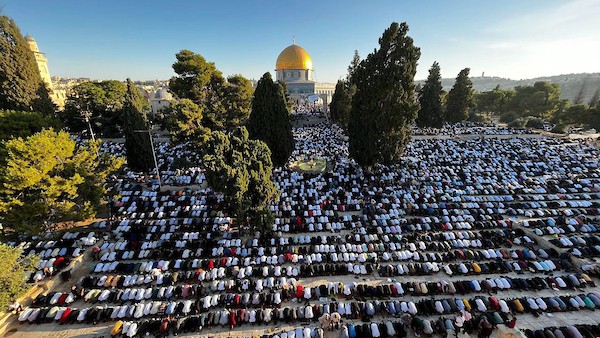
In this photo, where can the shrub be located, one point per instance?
(558, 129)
(535, 122)
(508, 117)
(478, 117)
(518, 123)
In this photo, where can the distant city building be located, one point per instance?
(58, 97)
(294, 66)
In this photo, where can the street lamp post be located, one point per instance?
(153, 155)
(86, 116)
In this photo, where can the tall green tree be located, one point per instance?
(194, 76)
(289, 103)
(103, 101)
(47, 177)
(237, 101)
(201, 82)
(384, 107)
(460, 98)
(137, 143)
(431, 111)
(540, 100)
(270, 120)
(14, 269)
(225, 103)
(593, 117)
(15, 124)
(353, 65)
(184, 122)
(341, 103)
(494, 101)
(21, 86)
(241, 168)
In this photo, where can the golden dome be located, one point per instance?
(294, 57)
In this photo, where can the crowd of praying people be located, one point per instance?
(470, 128)
(438, 244)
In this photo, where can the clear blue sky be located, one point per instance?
(124, 38)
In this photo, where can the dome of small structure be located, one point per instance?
(144, 93)
(294, 57)
(162, 94)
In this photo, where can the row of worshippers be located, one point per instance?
(569, 331)
(55, 254)
(350, 310)
(470, 128)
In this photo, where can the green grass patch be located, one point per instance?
(316, 165)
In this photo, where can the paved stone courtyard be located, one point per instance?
(525, 320)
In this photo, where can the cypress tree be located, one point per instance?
(270, 120)
(384, 107)
(137, 143)
(353, 65)
(460, 98)
(431, 113)
(21, 86)
(341, 103)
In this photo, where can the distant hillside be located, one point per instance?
(570, 84)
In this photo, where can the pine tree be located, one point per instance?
(15, 267)
(48, 177)
(238, 101)
(137, 140)
(224, 103)
(21, 86)
(384, 108)
(184, 123)
(431, 113)
(460, 98)
(270, 120)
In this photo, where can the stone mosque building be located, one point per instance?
(294, 66)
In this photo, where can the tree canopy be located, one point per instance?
(237, 101)
(23, 123)
(184, 122)
(48, 178)
(354, 64)
(494, 101)
(103, 101)
(14, 269)
(460, 98)
(431, 111)
(540, 100)
(15, 124)
(21, 86)
(224, 103)
(270, 120)
(137, 143)
(384, 108)
(194, 75)
(241, 168)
